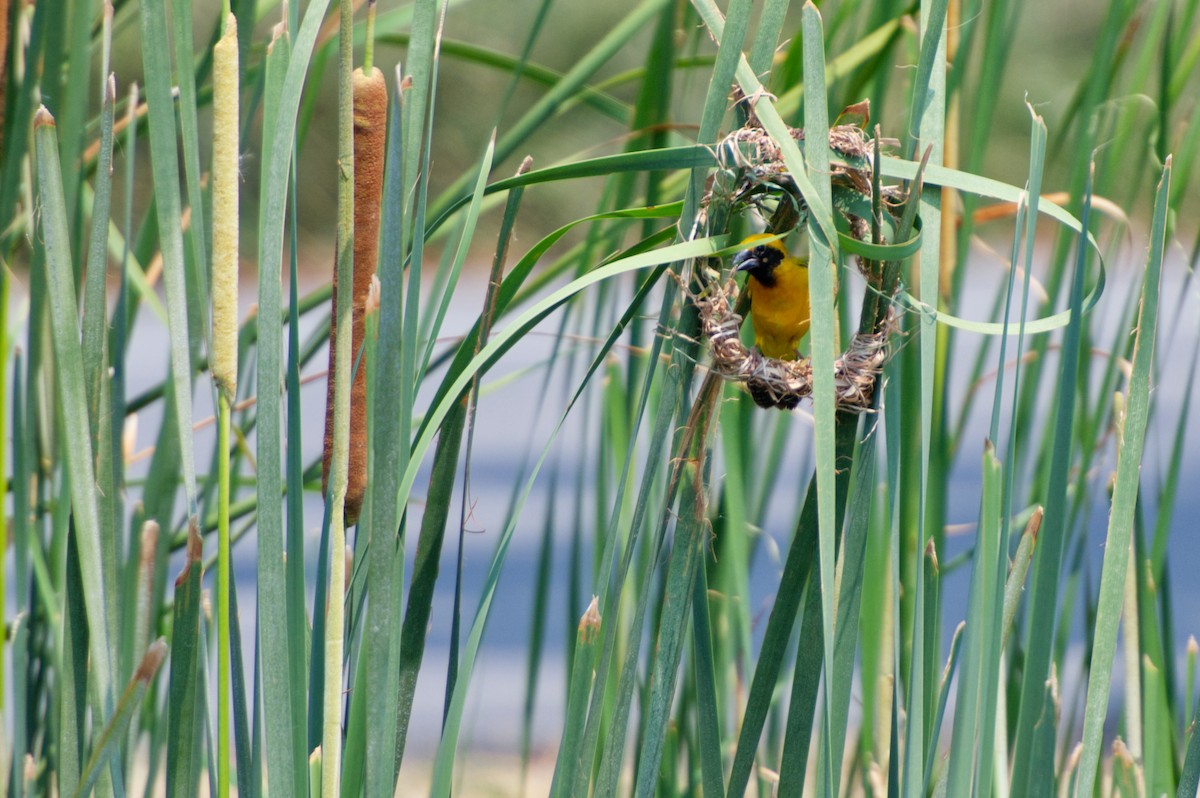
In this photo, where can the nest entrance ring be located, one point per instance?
(784, 383)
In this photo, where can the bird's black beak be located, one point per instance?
(745, 261)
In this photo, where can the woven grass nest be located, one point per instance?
(753, 173)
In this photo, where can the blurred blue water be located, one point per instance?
(514, 425)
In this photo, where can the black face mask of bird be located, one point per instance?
(759, 262)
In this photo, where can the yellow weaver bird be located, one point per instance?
(777, 285)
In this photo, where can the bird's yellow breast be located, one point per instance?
(780, 312)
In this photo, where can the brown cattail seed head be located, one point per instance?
(370, 139)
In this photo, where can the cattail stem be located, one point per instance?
(369, 50)
(1189, 680)
(223, 648)
(587, 640)
(3, 330)
(143, 599)
(4, 8)
(224, 359)
(314, 772)
(337, 416)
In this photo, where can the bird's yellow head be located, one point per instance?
(760, 257)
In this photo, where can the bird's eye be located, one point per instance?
(760, 250)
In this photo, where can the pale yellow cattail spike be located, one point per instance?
(225, 209)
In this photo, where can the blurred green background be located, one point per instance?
(1052, 51)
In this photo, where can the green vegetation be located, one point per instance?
(688, 502)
